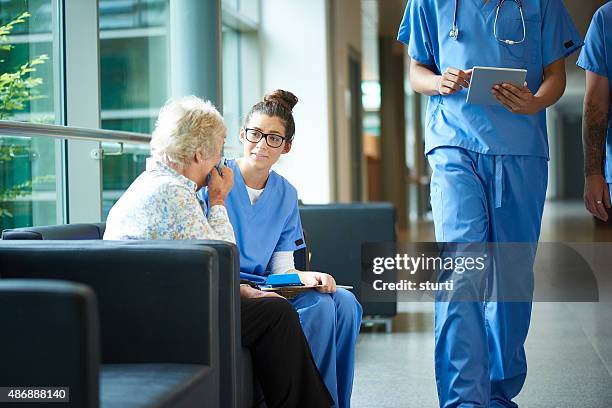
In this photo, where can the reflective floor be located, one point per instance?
(569, 348)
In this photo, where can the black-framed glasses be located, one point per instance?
(272, 140)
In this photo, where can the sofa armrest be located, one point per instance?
(230, 338)
(157, 300)
(301, 257)
(50, 338)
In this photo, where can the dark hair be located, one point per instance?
(277, 104)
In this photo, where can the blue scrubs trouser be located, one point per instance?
(479, 345)
(331, 324)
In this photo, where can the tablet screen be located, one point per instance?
(484, 78)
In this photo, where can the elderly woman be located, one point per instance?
(162, 204)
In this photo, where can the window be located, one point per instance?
(134, 83)
(233, 4)
(133, 63)
(26, 61)
(240, 66)
(131, 38)
(28, 92)
(232, 97)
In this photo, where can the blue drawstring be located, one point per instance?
(499, 180)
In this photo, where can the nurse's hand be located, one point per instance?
(247, 292)
(453, 80)
(326, 283)
(219, 186)
(597, 196)
(515, 99)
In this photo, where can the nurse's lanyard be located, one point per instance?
(454, 32)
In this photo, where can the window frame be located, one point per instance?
(245, 21)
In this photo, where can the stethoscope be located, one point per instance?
(454, 32)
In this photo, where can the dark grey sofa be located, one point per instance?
(143, 326)
(237, 387)
(331, 228)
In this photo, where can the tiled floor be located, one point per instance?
(569, 348)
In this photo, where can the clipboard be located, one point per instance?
(292, 291)
(484, 78)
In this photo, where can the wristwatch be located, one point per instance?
(249, 283)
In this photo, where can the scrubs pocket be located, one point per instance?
(519, 55)
(433, 108)
(437, 210)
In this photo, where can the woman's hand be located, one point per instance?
(453, 80)
(597, 196)
(219, 186)
(326, 283)
(424, 79)
(247, 292)
(515, 99)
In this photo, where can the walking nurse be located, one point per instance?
(489, 169)
(596, 60)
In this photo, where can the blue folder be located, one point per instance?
(283, 279)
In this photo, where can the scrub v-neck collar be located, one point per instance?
(244, 194)
(486, 8)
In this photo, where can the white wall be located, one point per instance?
(294, 48)
(346, 18)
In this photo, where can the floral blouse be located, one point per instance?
(162, 204)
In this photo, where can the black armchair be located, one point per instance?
(341, 229)
(50, 338)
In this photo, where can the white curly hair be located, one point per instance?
(184, 126)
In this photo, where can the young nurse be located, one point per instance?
(263, 209)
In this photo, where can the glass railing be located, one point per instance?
(28, 181)
(120, 168)
(32, 167)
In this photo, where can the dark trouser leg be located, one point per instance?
(281, 356)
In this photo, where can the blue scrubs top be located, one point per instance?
(271, 224)
(596, 56)
(550, 35)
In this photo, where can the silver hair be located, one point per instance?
(184, 126)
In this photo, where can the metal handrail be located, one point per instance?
(11, 128)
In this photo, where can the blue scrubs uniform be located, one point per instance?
(488, 181)
(330, 321)
(596, 56)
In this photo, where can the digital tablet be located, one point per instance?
(484, 78)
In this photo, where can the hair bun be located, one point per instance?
(284, 98)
